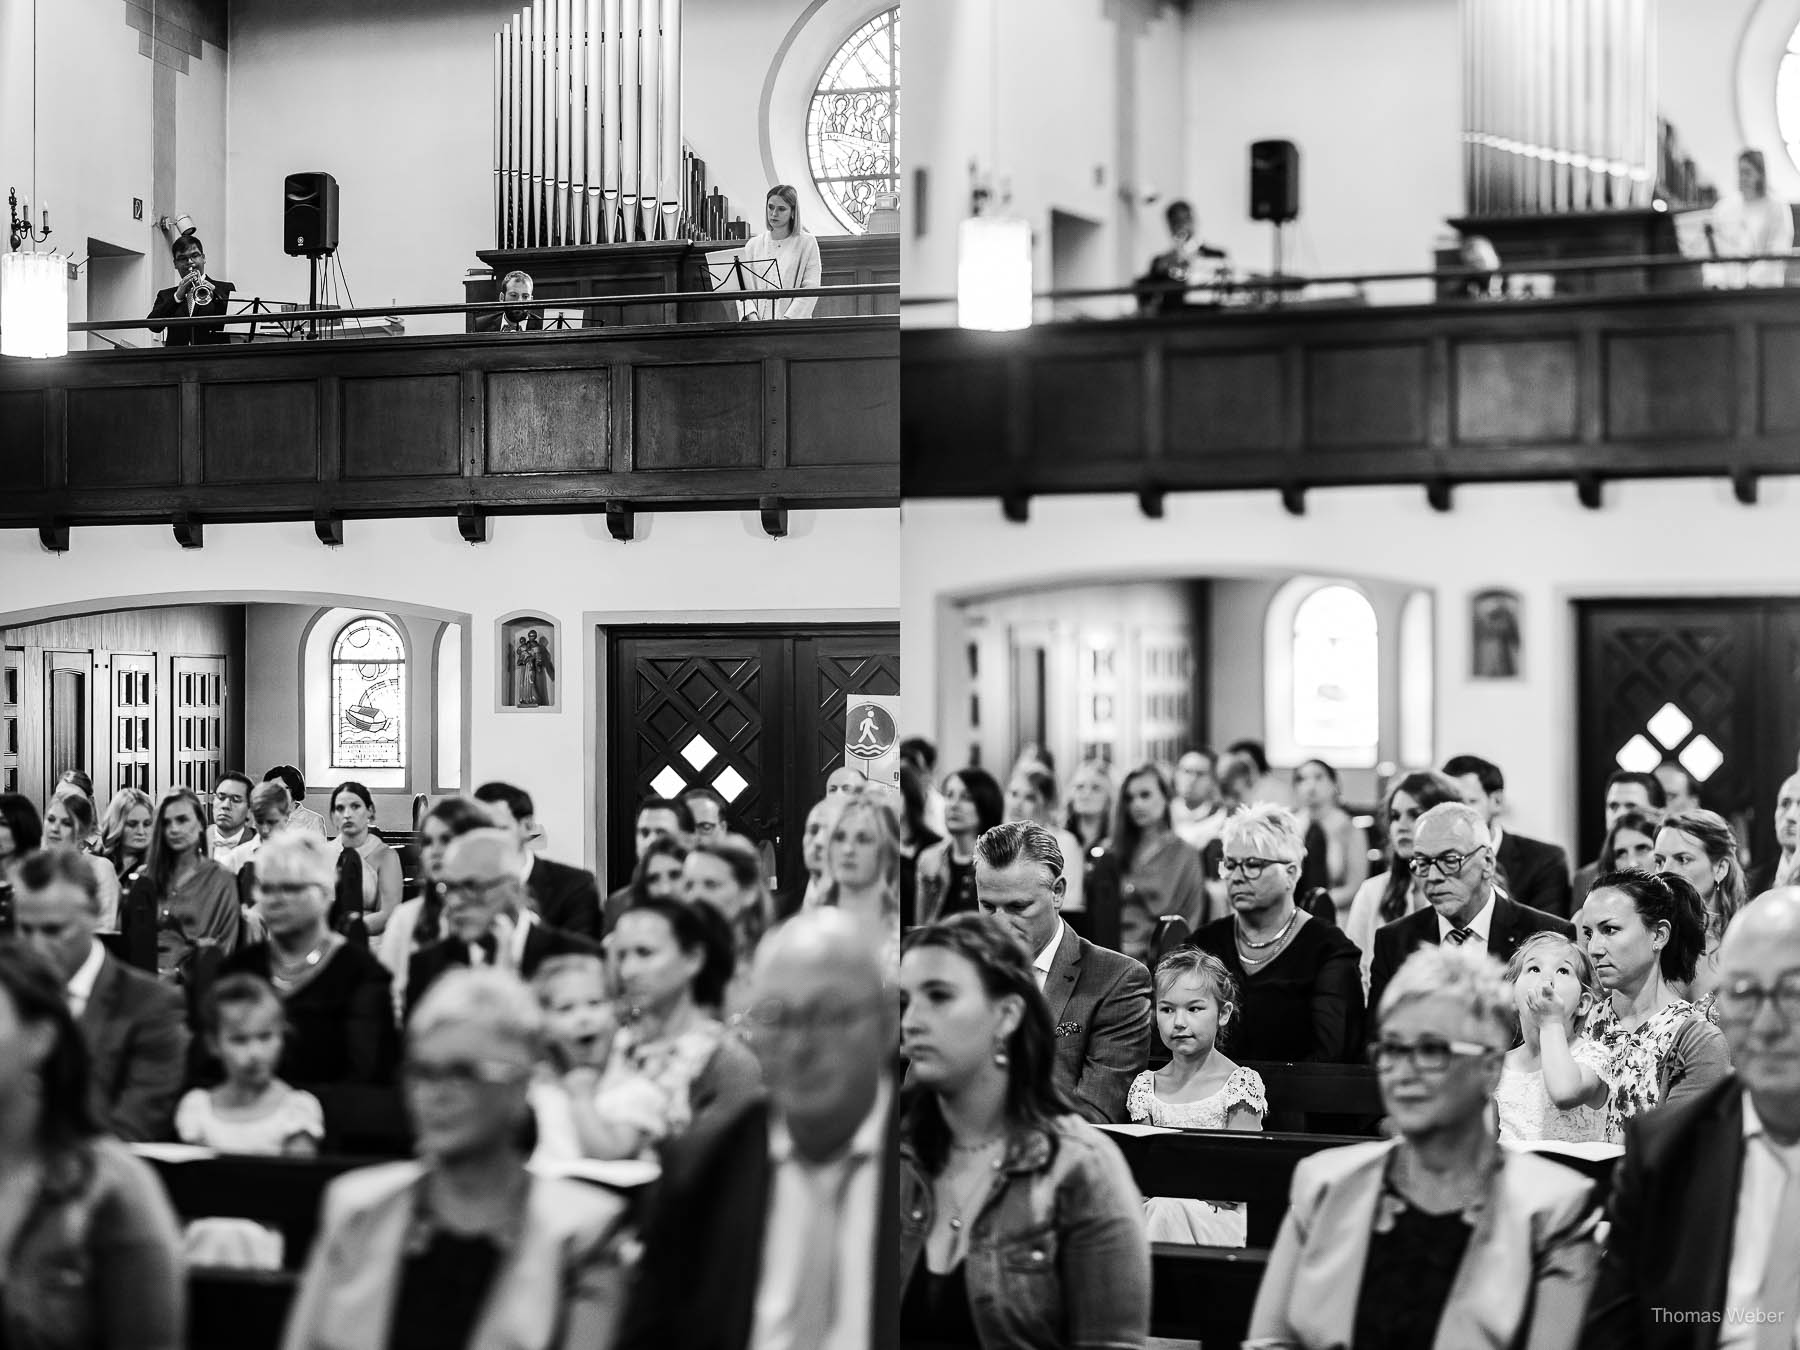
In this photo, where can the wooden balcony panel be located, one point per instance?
(260, 431)
(1640, 386)
(692, 416)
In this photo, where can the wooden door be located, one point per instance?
(132, 748)
(756, 712)
(197, 717)
(12, 684)
(1714, 686)
(68, 714)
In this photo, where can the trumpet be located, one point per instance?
(202, 290)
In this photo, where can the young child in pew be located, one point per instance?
(1198, 1089)
(252, 1111)
(1550, 1086)
(580, 1024)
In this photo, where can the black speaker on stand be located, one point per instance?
(1275, 186)
(309, 226)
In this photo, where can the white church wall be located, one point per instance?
(1655, 538)
(832, 565)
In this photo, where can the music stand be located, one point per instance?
(738, 273)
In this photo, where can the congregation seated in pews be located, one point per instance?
(540, 1080)
(1540, 1083)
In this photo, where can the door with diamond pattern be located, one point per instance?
(756, 712)
(1713, 686)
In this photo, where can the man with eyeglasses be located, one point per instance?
(1454, 856)
(1099, 999)
(774, 1226)
(487, 919)
(1705, 1209)
(231, 827)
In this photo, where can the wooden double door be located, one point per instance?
(1712, 685)
(755, 712)
(127, 719)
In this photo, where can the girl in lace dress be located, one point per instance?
(1552, 1086)
(1198, 1089)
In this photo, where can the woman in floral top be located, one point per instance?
(1646, 934)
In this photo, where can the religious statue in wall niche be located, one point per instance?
(531, 657)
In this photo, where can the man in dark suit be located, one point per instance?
(1452, 851)
(776, 1224)
(486, 918)
(1099, 999)
(1706, 1201)
(564, 897)
(182, 300)
(515, 289)
(134, 1025)
(1532, 872)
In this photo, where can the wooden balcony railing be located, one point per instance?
(777, 415)
(1586, 389)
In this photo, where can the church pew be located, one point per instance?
(1203, 1294)
(1252, 1169)
(238, 1309)
(283, 1193)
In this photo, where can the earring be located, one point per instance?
(1001, 1059)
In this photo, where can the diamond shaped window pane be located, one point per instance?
(698, 752)
(1669, 725)
(1637, 755)
(730, 783)
(1701, 758)
(669, 782)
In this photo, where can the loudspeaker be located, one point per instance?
(309, 221)
(1274, 181)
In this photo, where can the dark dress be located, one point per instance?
(1406, 1282)
(1306, 1004)
(959, 894)
(442, 1289)
(340, 1024)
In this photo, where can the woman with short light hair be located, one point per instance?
(465, 1246)
(1442, 1234)
(1300, 978)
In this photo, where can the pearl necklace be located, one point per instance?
(283, 974)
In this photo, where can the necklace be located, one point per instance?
(983, 1176)
(1244, 941)
(283, 973)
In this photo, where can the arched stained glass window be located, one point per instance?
(368, 696)
(853, 125)
(1337, 671)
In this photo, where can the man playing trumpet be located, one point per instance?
(195, 294)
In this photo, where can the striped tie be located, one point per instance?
(1457, 936)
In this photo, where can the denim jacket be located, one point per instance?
(97, 1264)
(1057, 1254)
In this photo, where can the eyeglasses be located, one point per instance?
(1429, 1054)
(1252, 868)
(772, 1017)
(1743, 999)
(464, 1074)
(286, 889)
(472, 890)
(1447, 864)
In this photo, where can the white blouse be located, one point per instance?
(796, 260)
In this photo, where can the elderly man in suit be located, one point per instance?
(775, 1225)
(1454, 853)
(487, 921)
(1706, 1201)
(1099, 999)
(134, 1025)
(564, 897)
(1532, 872)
